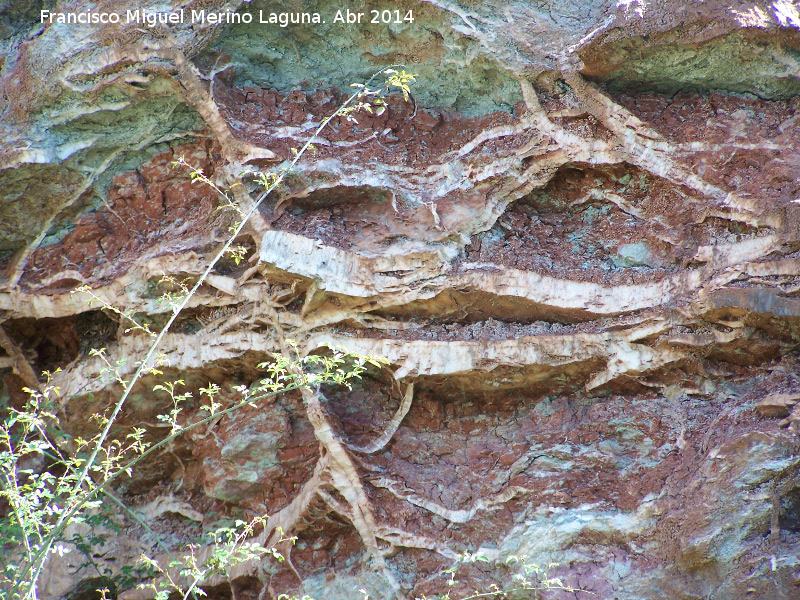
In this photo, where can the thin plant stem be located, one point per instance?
(128, 387)
(141, 522)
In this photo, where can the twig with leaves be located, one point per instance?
(44, 505)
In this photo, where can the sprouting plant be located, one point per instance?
(367, 98)
(400, 79)
(229, 546)
(526, 577)
(127, 316)
(237, 253)
(175, 291)
(43, 504)
(170, 387)
(51, 481)
(196, 175)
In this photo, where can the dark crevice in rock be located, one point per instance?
(584, 291)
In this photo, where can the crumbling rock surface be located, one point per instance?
(576, 246)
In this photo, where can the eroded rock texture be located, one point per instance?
(578, 248)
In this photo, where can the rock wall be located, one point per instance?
(578, 247)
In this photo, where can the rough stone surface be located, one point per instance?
(578, 247)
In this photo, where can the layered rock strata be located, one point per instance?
(577, 246)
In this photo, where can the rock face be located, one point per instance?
(578, 247)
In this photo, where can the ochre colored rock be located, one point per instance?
(777, 405)
(577, 245)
